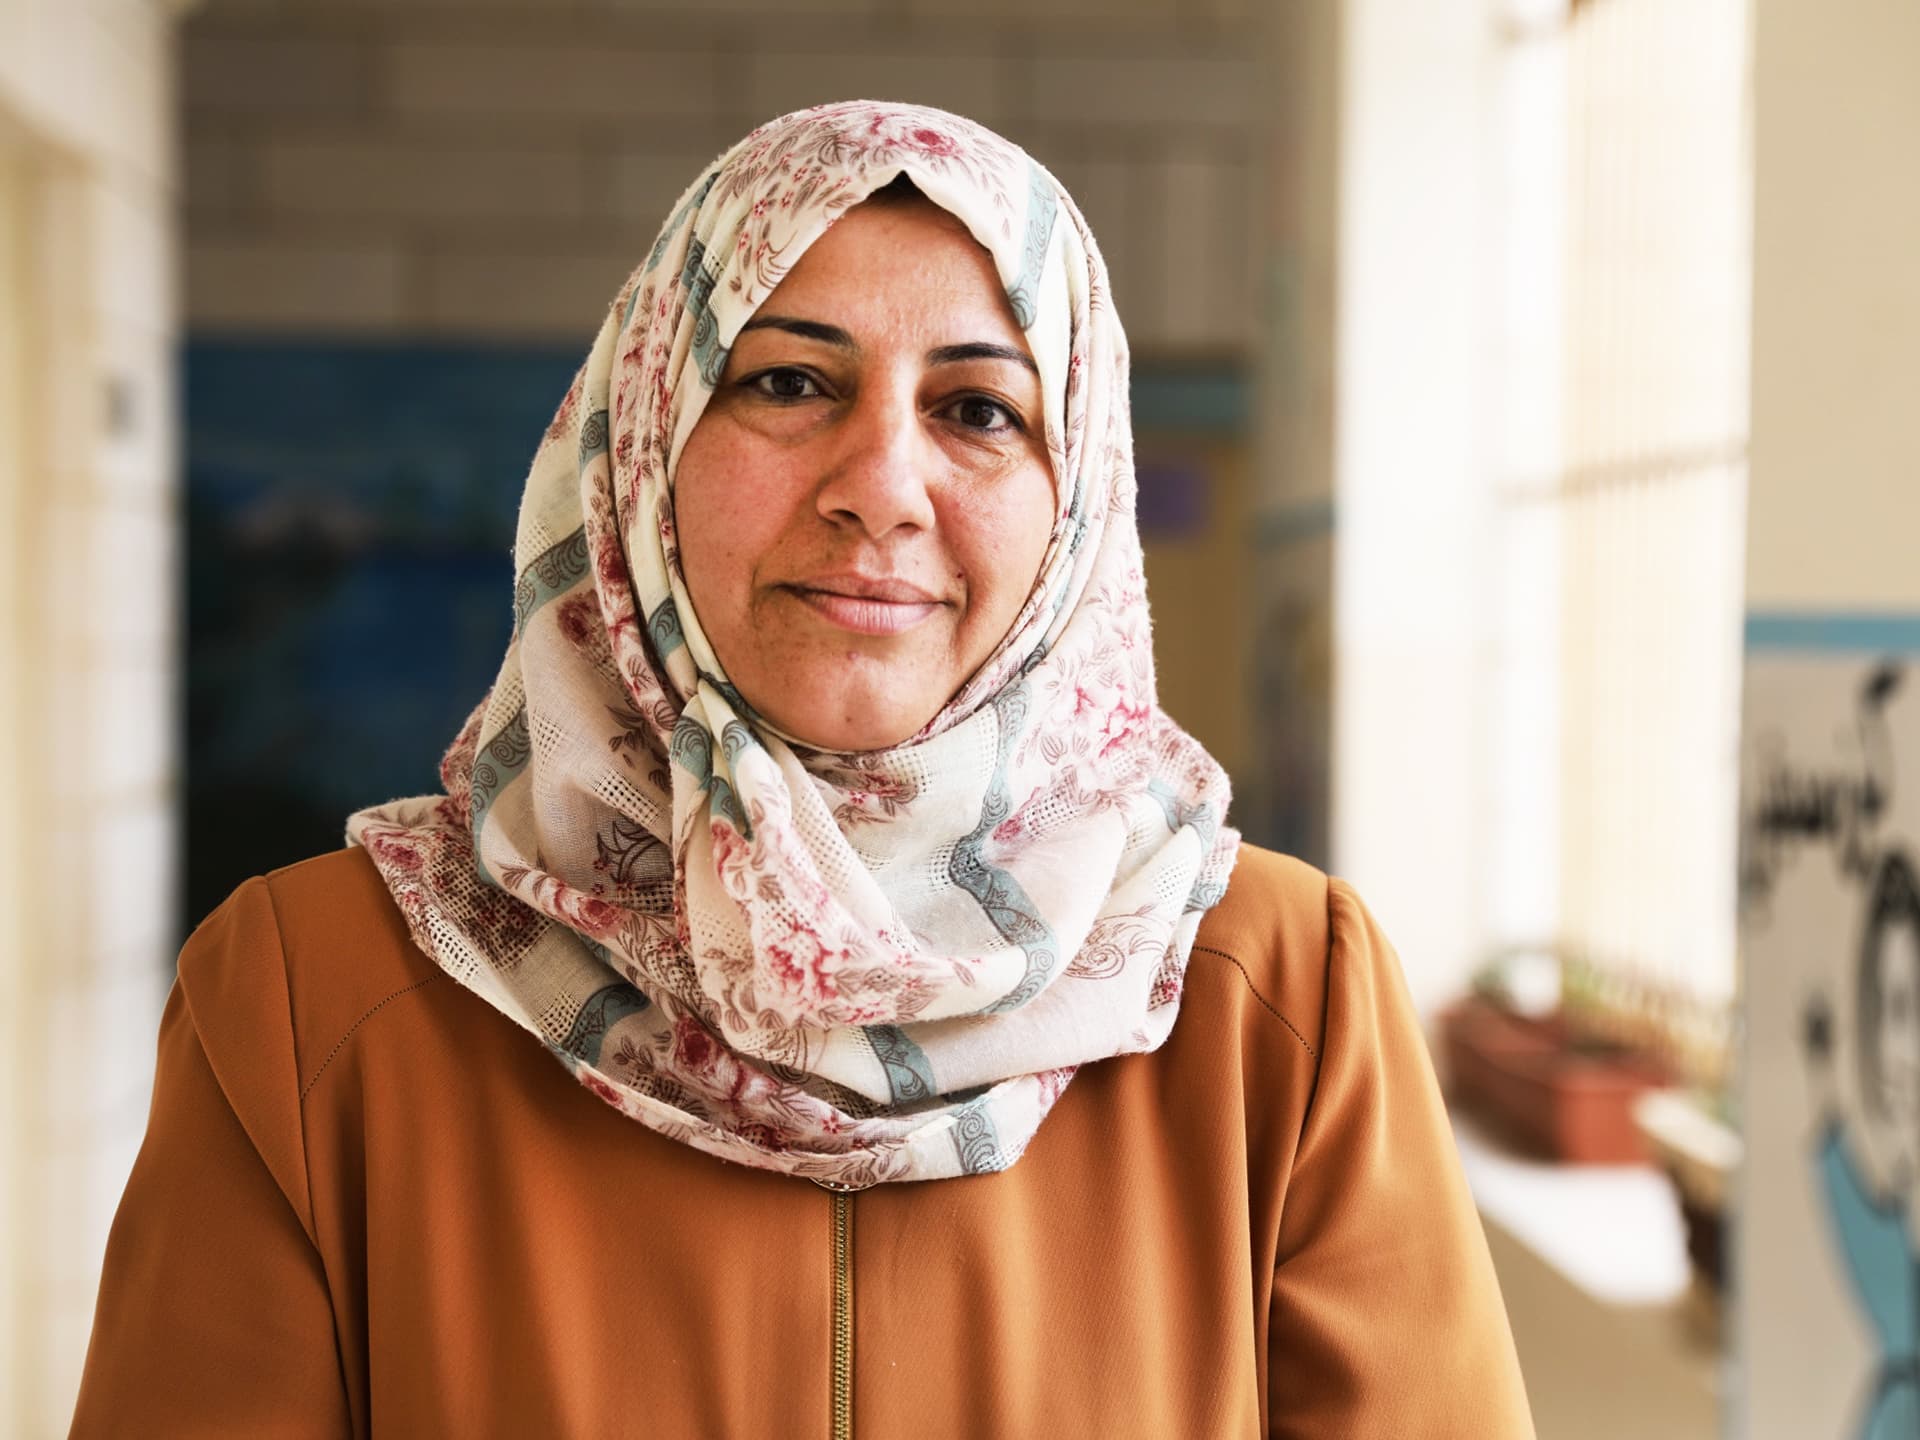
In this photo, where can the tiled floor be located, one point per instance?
(1597, 1371)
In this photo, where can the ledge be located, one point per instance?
(1613, 1230)
(1593, 1268)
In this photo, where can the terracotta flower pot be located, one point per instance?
(1551, 1094)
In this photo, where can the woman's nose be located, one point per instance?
(879, 475)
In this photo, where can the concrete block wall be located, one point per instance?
(88, 324)
(493, 169)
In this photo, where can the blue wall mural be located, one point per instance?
(350, 517)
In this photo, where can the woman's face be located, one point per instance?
(863, 506)
(1899, 1036)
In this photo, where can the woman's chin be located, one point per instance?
(850, 720)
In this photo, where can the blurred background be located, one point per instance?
(1515, 380)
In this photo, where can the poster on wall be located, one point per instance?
(1827, 1281)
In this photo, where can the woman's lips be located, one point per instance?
(867, 607)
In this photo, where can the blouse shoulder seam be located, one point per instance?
(1254, 991)
(372, 1010)
(302, 1204)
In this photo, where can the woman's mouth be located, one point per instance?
(866, 606)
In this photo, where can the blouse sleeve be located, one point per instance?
(1386, 1315)
(214, 1316)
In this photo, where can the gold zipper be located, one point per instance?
(842, 1427)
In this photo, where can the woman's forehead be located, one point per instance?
(896, 267)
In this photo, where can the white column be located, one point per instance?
(1412, 465)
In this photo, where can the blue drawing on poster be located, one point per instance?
(1839, 811)
(1877, 1242)
(1871, 1224)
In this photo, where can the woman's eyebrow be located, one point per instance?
(980, 350)
(940, 355)
(805, 329)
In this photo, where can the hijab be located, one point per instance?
(856, 968)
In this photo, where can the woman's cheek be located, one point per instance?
(722, 501)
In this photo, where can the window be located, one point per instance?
(1620, 444)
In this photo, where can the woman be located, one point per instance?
(823, 825)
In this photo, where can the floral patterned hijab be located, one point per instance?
(854, 968)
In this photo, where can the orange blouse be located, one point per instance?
(369, 1204)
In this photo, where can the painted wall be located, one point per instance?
(1836, 315)
(494, 169)
(1831, 800)
(446, 198)
(318, 511)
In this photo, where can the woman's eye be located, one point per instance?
(976, 412)
(785, 385)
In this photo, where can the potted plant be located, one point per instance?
(1527, 1052)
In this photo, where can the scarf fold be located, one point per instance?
(854, 968)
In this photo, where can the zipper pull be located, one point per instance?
(842, 1187)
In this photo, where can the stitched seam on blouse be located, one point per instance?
(341, 1044)
(306, 1160)
(1254, 991)
(307, 1222)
